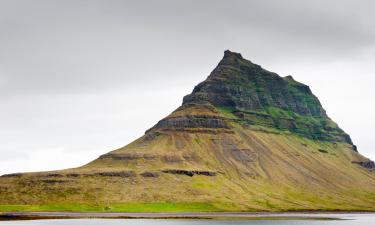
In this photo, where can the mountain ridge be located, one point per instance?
(246, 88)
(245, 139)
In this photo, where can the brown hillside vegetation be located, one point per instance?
(246, 139)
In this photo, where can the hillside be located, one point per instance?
(245, 139)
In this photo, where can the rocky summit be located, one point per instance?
(255, 96)
(245, 139)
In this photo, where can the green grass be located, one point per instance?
(166, 207)
(227, 111)
(129, 207)
(317, 128)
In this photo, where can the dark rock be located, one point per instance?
(12, 175)
(53, 181)
(73, 175)
(116, 174)
(128, 156)
(260, 97)
(150, 174)
(54, 175)
(367, 164)
(229, 54)
(202, 121)
(190, 173)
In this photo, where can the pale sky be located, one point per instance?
(81, 78)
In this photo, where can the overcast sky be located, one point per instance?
(81, 78)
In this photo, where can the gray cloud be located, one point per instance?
(65, 64)
(79, 45)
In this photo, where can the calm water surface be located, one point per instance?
(349, 219)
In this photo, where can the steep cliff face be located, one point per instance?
(255, 96)
(245, 139)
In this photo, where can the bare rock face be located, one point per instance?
(260, 97)
(367, 164)
(150, 174)
(203, 121)
(237, 82)
(190, 173)
(115, 174)
(202, 117)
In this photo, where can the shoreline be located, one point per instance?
(303, 215)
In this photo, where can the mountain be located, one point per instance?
(245, 139)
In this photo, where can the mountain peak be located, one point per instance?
(244, 139)
(228, 53)
(255, 96)
(233, 59)
(289, 77)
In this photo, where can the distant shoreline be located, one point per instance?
(308, 215)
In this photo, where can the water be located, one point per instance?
(346, 219)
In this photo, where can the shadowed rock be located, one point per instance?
(116, 174)
(260, 97)
(150, 174)
(203, 121)
(12, 175)
(367, 164)
(190, 173)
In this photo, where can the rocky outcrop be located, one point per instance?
(190, 173)
(237, 82)
(368, 164)
(12, 175)
(260, 97)
(115, 174)
(193, 117)
(128, 156)
(73, 175)
(202, 121)
(229, 145)
(150, 174)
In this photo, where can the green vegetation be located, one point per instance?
(248, 177)
(128, 207)
(244, 140)
(251, 95)
(319, 128)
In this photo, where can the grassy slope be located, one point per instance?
(257, 171)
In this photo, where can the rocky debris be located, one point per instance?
(150, 174)
(115, 174)
(190, 173)
(366, 164)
